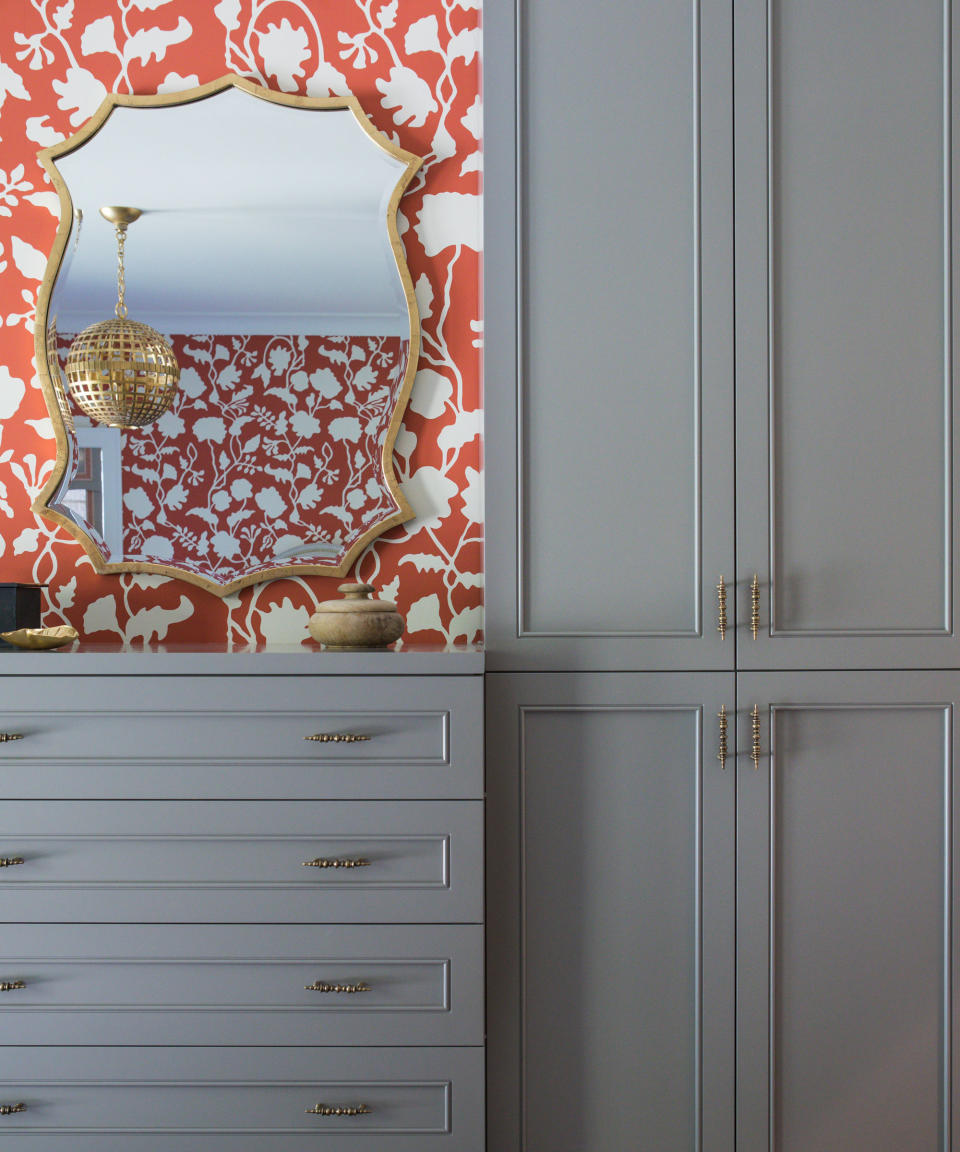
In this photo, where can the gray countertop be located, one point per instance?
(220, 660)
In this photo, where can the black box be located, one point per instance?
(20, 607)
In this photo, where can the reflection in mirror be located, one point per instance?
(267, 255)
(120, 372)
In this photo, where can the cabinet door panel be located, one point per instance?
(845, 454)
(611, 839)
(846, 908)
(608, 334)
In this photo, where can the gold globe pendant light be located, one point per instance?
(120, 372)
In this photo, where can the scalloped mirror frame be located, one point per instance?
(49, 373)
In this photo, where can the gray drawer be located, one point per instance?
(251, 984)
(123, 861)
(233, 738)
(242, 1100)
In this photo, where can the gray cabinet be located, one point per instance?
(721, 294)
(847, 914)
(615, 969)
(610, 888)
(608, 333)
(616, 404)
(241, 908)
(846, 304)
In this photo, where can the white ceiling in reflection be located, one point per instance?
(257, 218)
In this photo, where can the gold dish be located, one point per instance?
(38, 639)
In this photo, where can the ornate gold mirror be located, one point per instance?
(259, 239)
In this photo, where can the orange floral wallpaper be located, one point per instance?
(414, 65)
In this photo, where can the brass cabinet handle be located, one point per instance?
(755, 733)
(6, 737)
(722, 608)
(11, 985)
(722, 743)
(337, 738)
(11, 861)
(339, 1110)
(337, 862)
(9, 1109)
(319, 986)
(755, 606)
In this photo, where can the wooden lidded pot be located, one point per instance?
(356, 621)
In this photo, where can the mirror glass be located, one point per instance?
(266, 252)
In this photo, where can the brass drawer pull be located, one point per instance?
(337, 738)
(11, 861)
(755, 606)
(722, 748)
(755, 737)
(9, 1109)
(339, 1110)
(722, 608)
(319, 986)
(6, 737)
(11, 985)
(337, 862)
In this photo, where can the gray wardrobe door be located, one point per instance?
(846, 477)
(608, 347)
(847, 900)
(610, 927)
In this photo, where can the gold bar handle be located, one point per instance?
(339, 1110)
(337, 738)
(337, 862)
(7, 737)
(722, 608)
(755, 734)
(755, 606)
(11, 985)
(320, 986)
(11, 861)
(9, 1109)
(722, 749)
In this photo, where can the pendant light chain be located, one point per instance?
(121, 309)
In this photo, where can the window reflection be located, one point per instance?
(85, 495)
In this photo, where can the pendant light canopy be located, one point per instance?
(120, 372)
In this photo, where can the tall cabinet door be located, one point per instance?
(611, 939)
(847, 913)
(608, 333)
(846, 302)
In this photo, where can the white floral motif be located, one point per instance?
(410, 94)
(99, 36)
(284, 50)
(40, 132)
(81, 93)
(12, 392)
(228, 13)
(11, 84)
(173, 82)
(448, 220)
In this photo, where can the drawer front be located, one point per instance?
(209, 737)
(256, 985)
(364, 1100)
(349, 862)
